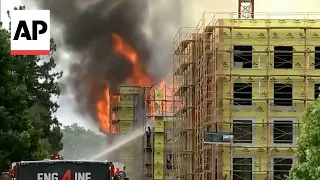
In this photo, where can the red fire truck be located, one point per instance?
(56, 168)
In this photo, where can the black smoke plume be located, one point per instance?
(147, 25)
(87, 30)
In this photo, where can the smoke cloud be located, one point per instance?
(87, 27)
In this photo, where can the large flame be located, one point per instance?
(103, 111)
(138, 77)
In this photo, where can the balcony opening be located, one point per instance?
(282, 94)
(242, 57)
(281, 168)
(148, 138)
(216, 169)
(242, 94)
(316, 91)
(317, 57)
(282, 132)
(169, 161)
(242, 131)
(242, 169)
(283, 57)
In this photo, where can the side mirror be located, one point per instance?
(121, 175)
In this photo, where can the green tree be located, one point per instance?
(28, 129)
(79, 143)
(308, 162)
(37, 73)
(19, 139)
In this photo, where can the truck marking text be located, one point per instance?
(47, 176)
(66, 176)
(82, 176)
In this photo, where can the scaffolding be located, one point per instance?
(254, 78)
(184, 110)
(206, 101)
(158, 137)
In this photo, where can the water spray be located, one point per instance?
(120, 142)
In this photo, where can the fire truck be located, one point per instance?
(57, 168)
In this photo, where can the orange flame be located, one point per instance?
(138, 77)
(103, 111)
(162, 85)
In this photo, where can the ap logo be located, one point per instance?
(30, 32)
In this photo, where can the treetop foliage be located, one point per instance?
(307, 166)
(79, 143)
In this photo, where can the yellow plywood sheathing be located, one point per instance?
(206, 75)
(130, 90)
(158, 125)
(159, 112)
(158, 154)
(126, 116)
(127, 100)
(125, 126)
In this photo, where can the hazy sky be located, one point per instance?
(191, 13)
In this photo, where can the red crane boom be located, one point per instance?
(246, 9)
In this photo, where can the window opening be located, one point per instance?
(216, 169)
(185, 139)
(242, 131)
(317, 57)
(148, 138)
(283, 57)
(242, 169)
(242, 56)
(281, 168)
(169, 161)
(242, 94)
(283, 132)
(282, 94)
(316, 91)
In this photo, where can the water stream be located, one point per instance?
(120, 142)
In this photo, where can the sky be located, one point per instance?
(192, 11)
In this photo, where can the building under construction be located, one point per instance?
(251, 78)
(147, 109)
(159, 134)
(127, 114)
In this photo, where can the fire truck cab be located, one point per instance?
(58, 168)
